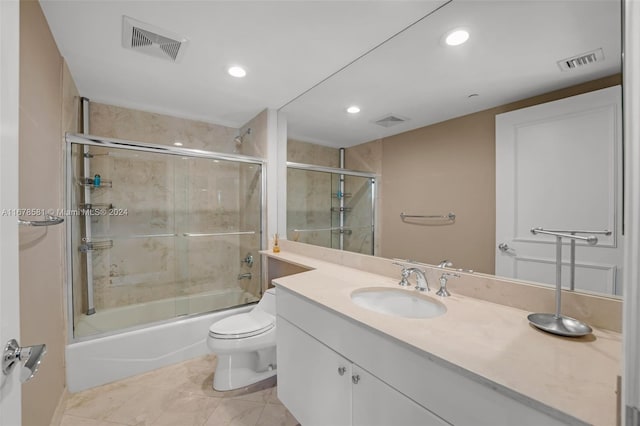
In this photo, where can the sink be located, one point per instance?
(398, 303)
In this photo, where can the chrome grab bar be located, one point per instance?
(217, 234)
(49, 220)
(449, 216)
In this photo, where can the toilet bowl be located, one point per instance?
(245, 345)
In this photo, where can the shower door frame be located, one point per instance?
(346, 172)
(92, 140)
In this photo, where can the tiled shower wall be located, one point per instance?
(170, 194)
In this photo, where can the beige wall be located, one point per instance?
(449, 167)
(45, 84)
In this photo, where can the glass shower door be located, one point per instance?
(159, 235)
(221, 233)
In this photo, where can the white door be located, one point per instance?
(10, 403)
(558, 166)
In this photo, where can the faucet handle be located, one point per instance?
(404, 282)
(443, 292)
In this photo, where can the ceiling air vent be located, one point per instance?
(152, 40)
(390, 120)
(582, 60)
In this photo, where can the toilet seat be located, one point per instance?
(242, 325)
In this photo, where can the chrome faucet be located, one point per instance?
(246, 275)
(421, 279)
(443, 292)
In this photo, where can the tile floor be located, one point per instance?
(178, 395)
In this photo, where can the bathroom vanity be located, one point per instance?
(479, 363)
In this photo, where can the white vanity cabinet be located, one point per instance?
(320, 387)
(397, 384)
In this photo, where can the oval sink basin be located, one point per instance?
(399, 303)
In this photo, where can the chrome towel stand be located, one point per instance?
(558, 323)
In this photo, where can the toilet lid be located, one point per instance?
(242, 325)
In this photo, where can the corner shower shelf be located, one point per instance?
(89, 182)
(344, 195)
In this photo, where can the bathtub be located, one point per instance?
(103, 360)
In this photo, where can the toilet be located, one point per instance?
(245, 345)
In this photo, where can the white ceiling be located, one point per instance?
(511, 55)
(286, 46)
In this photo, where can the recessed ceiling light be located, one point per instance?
(353, 109)
(237, 71)
(456, 37)
(177, 143)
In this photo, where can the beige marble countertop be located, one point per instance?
(574, 375)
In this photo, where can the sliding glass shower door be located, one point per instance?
(157, 235)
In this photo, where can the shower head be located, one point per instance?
(240, 138)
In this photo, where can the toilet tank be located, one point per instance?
(268, 301)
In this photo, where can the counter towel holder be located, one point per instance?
(557, 323)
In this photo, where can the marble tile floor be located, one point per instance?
(177, 395)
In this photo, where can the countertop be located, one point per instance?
(577, 376)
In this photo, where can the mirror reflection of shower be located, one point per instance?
(331, 206)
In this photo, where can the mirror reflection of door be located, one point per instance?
(557, 167)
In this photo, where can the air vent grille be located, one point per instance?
(139, 39)
(581, 60)
(152, 40)
(390, 120)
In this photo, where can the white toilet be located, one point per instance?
(245, 345)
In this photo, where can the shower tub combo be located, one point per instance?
(162, 242)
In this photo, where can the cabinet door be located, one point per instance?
(314, 382)
(377, 404)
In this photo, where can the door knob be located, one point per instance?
(31, 355)
(503, 247)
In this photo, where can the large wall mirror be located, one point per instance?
(472, 145)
